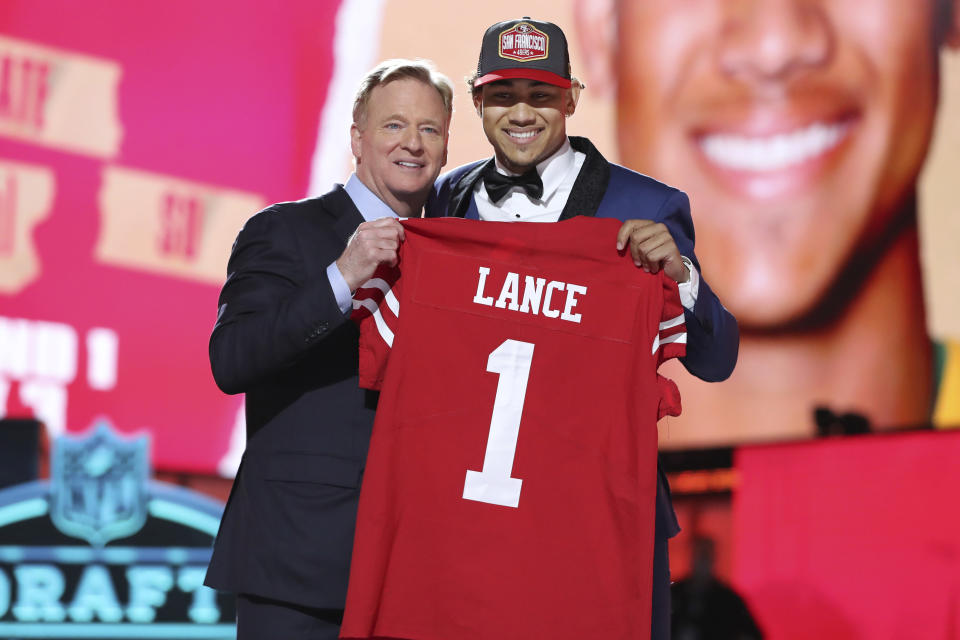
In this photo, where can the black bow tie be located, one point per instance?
(498, 185)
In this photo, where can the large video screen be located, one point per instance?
(818, 145)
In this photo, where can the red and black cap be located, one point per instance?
(525, 48)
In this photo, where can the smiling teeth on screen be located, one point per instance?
(522, 135)
(770, 153)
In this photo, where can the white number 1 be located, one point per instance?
(494, 485)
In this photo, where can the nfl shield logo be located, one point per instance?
(524, 42)
(99, 485)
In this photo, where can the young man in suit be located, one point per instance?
(524, 92)
(283, 338)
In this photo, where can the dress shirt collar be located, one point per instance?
(552, 171)
(371, 207)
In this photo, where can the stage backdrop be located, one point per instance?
(135, 139)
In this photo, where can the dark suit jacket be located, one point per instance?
(608, 190)
(287, 531)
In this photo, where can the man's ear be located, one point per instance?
(597, 34)
(478, 101)
(355, 140)
(573, 97)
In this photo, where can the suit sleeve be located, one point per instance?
(270, 313)
(713, 338)
(376, 311)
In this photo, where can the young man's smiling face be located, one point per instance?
(524, 120)
(798, 128)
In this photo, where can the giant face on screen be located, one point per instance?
(799, 130)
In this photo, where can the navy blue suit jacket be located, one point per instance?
(608, 190)
(287, 530)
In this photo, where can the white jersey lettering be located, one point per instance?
(535, 296)
(480, 298)
(509, 292)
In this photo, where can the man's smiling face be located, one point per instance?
(524, 120)
(798, 129)
(401, 142)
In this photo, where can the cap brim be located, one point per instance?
(525, 74)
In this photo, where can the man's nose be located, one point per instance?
(412, 140)
(772, 40)
(522, 113)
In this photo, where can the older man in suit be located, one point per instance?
(524, 92)
(283, 337)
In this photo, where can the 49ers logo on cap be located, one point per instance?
(524, 42)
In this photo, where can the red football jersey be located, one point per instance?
(511, 480)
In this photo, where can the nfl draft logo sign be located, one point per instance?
(100, 493)
(103, 551)
(524, 42)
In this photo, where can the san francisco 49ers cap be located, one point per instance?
(525, 48)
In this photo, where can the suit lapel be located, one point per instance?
(461, 194)
(591, 183)
(348, 217)
(334, 218)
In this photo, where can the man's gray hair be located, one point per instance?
(397, 69)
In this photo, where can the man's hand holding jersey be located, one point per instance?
(652, 247)
(372, 244)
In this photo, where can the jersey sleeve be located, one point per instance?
(671, 342)
(376, 311)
